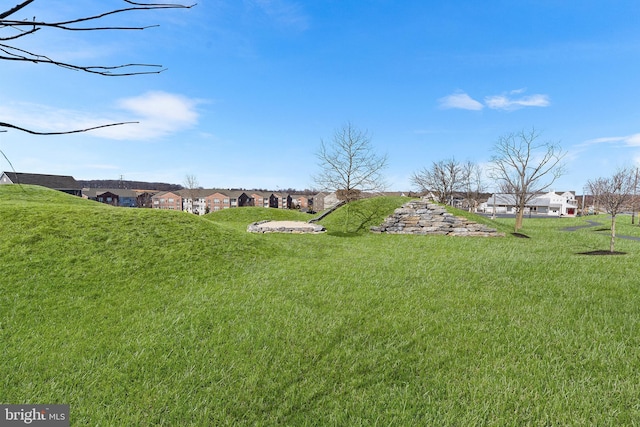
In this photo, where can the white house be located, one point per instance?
(550, 204)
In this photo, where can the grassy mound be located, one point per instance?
(358, 216)
(248, 215)
(29, 195)
(147, 317)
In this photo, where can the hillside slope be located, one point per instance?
(148, 317)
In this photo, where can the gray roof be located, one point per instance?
(56, 182)
(502, 199)
(92, 193)
(534, 200)
(198, 193)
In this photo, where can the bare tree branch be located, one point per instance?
(14, 53)
(15, 9)
(30, 27)
(473, 184)
(64, 25)
(615, 193)
(523, 166)
(32, 132)
(349, 165)
(444, 178)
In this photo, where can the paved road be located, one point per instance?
(595, 224)
(578, 227)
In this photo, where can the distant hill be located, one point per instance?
(130, 185)
(162, 186)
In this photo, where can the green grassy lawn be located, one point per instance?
(146, 317)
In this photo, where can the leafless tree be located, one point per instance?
(349, 165)
(614, 194)
(192, 186)
(14, 30)
(444, 178)
(473, 184)
(524, 166)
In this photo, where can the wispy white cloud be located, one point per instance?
(461, 101)
(511, 100)
(284, 12)
(628, 141)
(159, 114)
(507, 102)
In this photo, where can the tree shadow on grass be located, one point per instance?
(357, 219)
(601, 252)
(364, 216)
(343, 234)
(520, 235)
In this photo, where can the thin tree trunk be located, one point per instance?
(519, 216)
(613, 233)
(345, 228)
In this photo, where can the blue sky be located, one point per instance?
(253, 86)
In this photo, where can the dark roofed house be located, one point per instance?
(112, 196)
(239, 198)
(108, 198)
(66, 184)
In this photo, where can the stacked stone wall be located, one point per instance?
(425, 217)
(296, 227)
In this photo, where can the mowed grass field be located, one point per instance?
(140, 317)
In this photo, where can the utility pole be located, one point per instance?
(493, 216)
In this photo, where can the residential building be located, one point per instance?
(112, 196)
(238, 198)
(195, 200)
(217, 201)
(264, 199)
(144, 198)
(301, 201)
(201, 201)
(66, 184)
(167, 200)
(549, 204)
(322, 201)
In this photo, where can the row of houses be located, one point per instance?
(202, 201)
(198, 201)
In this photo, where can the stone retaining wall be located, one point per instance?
(296, 227)
(424, 217)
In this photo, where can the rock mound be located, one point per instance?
(425, 217)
